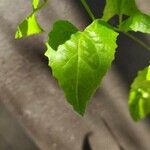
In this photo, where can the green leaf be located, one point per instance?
(28, 27)
(139, 98)
(35, 4)
(119, 7)
(138, 22)
(81, 62)
(61, 32)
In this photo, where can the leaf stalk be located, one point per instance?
(87, 8)
(137, 40)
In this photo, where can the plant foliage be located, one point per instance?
(79, 60)
(138, 22)
(139, 99)
(119, 7)
(80, 63)
(30, 26)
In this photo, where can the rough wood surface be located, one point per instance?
(12, 135)
(144, 5)
(29, 91)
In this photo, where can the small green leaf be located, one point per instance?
(117, 7)
(81, 62)
(138, 22)
(28, 27)
(61, 32)
(139, 98)
(35, 4)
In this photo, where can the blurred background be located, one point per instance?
(33, 112)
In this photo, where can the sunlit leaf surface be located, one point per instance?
(28, 27)
(81, 62)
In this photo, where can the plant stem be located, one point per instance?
(137, 40)
(40, 7)
(120, 13)
(120, 19)
(87, 8)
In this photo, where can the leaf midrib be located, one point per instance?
(77, 76)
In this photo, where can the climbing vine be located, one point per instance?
(80, 59)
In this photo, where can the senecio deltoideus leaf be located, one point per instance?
(137, 20)
(117, 7)
(139, 99)
(80, 63)
(30, 26)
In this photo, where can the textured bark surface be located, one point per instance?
(12, 136)
(29, 91)
(144, 5)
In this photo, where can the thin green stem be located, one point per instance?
(120, 19)
(120, 13)
(40, 7)
(137, 40)
(87, 8)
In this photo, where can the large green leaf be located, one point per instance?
(61, 32)
(81, 62)
(118, 7)
(138, 22)
(139, 99)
